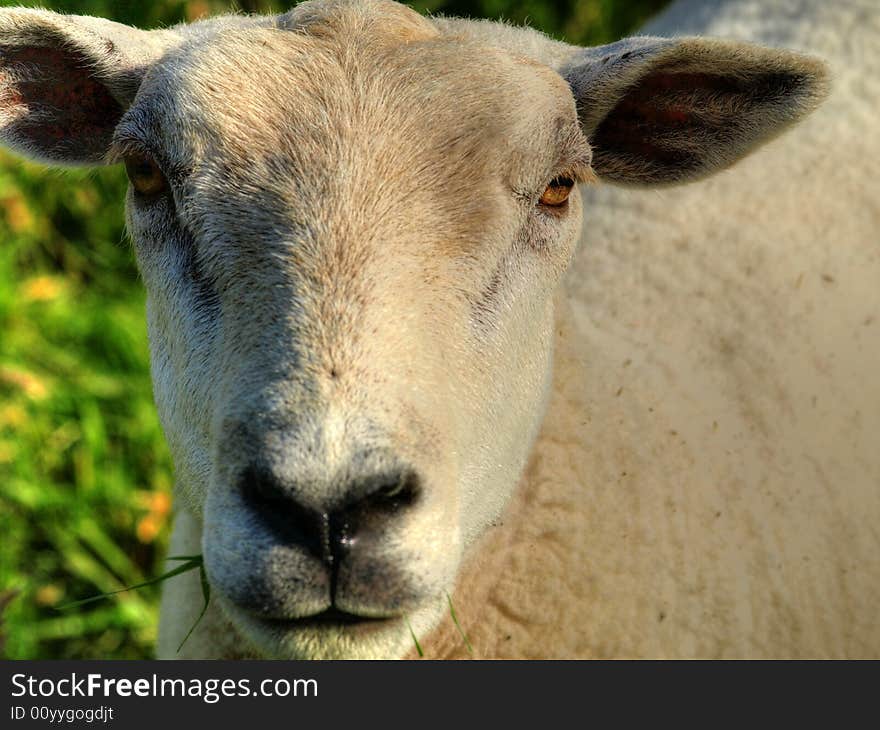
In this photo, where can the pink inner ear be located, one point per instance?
(666, 98)
(664, 125)
(68, 111)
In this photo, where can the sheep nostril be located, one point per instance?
(263, 487)
(395, 492)
(278, 508)
(368, 504)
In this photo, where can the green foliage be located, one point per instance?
(586, 22)
(85, 476)
(187, 563)
(464, 637)
(83, 466)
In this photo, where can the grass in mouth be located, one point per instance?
(467, 642)
(187, 563)
(196, 562)
(464, 637)
(415, 640)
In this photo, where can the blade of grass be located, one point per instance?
(206, 594)
(81, 562)
(93, 535)
(191, 565)
(415, 640)
(467, 643)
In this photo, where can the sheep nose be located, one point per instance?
(368, 503)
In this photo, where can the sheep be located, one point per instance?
(391, 380)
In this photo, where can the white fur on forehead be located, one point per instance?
(314, 103)
(381, 19)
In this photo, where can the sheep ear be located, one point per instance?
(660, 110)
(65, 81)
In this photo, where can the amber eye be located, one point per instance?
(145, 176)
(557, 192)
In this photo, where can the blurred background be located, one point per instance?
(85, 477)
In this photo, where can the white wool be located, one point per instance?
(707, 483)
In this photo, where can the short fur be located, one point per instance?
(706, 480)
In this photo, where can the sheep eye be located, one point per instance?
(145, 176)
(557, 192)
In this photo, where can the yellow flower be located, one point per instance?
(33, 386)
(12, 415)
(16, 214)
(41, 289)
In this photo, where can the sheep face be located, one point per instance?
(350, 272)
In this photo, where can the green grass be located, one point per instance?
(187, 563)
(85, 477)
(84, 473)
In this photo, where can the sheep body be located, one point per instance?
(706, 481)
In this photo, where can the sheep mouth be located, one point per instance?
(334, 618)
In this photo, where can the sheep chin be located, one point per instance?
(323, 638)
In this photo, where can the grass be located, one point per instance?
(415, 639)
(85, 477)
(188, 563)
(196, 562)
(464, 637)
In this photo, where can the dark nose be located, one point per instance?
(328, 528)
